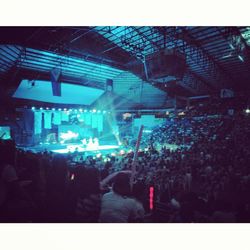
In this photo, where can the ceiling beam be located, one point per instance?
(218, 69)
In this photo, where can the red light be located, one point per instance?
(151, 198)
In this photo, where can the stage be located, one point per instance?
(71, 148)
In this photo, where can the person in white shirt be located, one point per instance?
(116, 206)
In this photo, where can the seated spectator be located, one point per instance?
(116, 205)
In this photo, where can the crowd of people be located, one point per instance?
(206, 178)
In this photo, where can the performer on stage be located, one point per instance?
(96, 143)
(84, 142)
(90, 144)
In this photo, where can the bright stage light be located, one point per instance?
(80, 110)
(99, 155)
(41, 108)
(33, 108)
(85, 111)
(59, 109)
(247, 110)
(122, 152)
(53, 108)
(65, 109)
(47, 108)
(94, 110)
(113, 154)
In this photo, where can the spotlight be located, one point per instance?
(41, 108)
(65, 109)
(59, 109)
(94, 110)
(85, 111)
(247, 110)
(53, 109)
(80, 110)
(33, 108)
(47, 108)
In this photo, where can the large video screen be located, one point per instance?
(79, 126)
(5, 133)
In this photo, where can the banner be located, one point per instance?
(57, 118)
(65, 116)
(47, 119)
(56, 81)
(100, 122)
(37, 122)
(94, 121)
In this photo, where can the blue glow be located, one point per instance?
(85, 111)
(41, 108)
(71, 94)
(33, 108)
(94, 110)
(5, 132)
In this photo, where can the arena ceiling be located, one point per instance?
(216, 57)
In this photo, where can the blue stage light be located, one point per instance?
(33, 108)
(98, 111)
(41, 108)
(104, 111)
(59, 109)
(94, 110)
(80, 110)
(65, 109)
(53, 109)
(47, 108)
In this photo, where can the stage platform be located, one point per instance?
(70, 148)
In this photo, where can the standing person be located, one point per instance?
(116, 205)
(88, 195)
(56, 189)
(15, 204)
